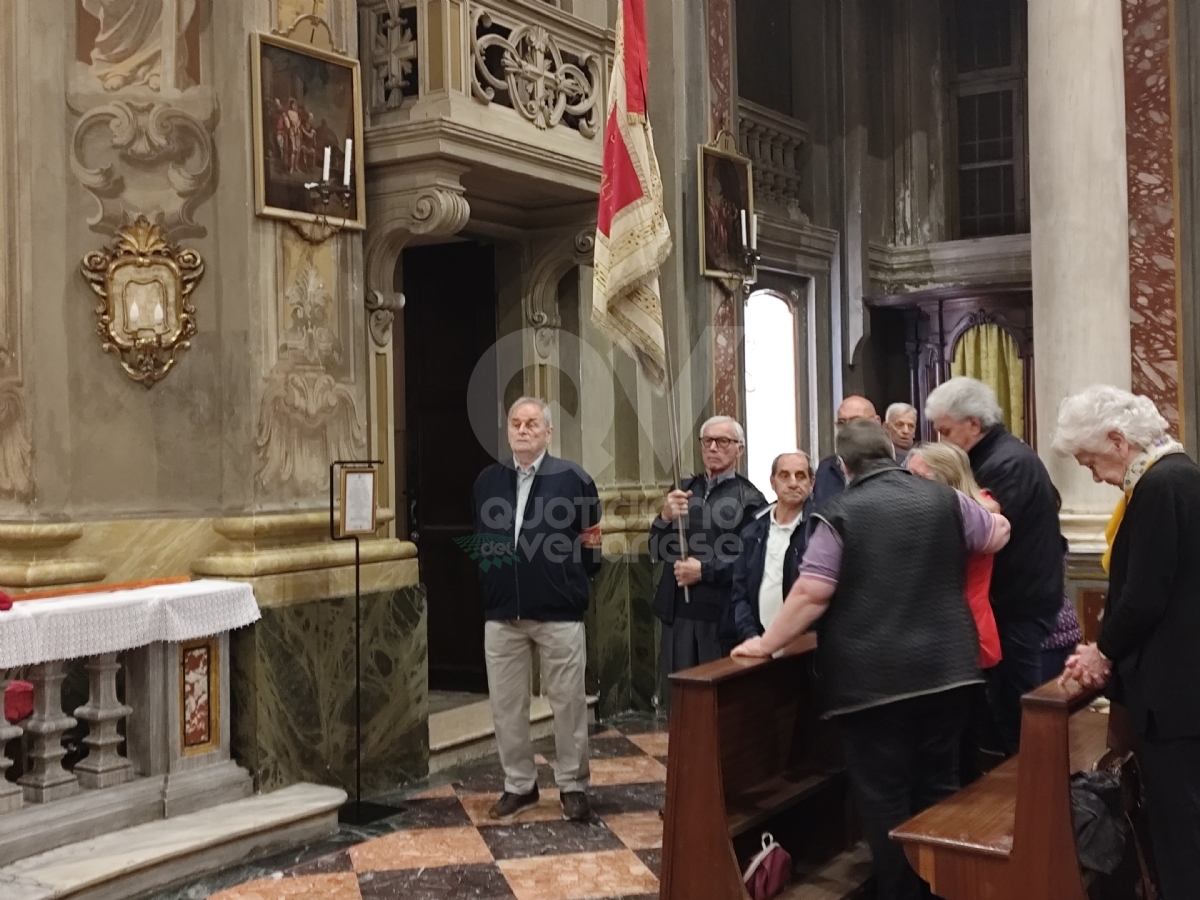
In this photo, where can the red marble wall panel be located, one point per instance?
(1153, 257)
(197, 696)
(723, 115)
(726, 358)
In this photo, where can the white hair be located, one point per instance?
(963, 398)
(540, 404)
(725, 420)
(896, 410)
(1086, 418)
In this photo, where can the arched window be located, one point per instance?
(772, 402)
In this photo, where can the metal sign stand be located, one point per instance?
(356, 812)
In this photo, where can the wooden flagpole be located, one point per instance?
(673, 415)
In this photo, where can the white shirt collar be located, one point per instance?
(532, 470)
(775, 523)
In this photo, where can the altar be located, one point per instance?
(157, 715)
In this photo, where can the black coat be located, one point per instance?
(1027, 575)
(745, 620)
(714, 537)
(1151, 627)
(544, 575)
(828, 482)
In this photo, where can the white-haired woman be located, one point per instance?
(1149, 645)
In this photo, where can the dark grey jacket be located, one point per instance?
(898, 624)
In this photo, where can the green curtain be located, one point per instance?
(989, 353)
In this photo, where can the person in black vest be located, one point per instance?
(545, 514)
(772, 547)
(1146, 651)
(897, 650)
(716, 504)
(830, 480)
(1027, 575)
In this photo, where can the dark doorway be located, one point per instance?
(449, 323)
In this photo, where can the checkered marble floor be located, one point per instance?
(442, 845)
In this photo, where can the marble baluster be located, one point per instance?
(104, 766)
(10, 794)
(47, 780)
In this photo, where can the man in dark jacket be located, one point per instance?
(897, 651)
(540, 518)
(1027, 576)
(693, 594)
(772, 547)
(830, 479)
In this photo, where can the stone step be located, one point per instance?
(149, 857)
(467, 733)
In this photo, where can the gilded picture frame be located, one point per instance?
(726, 187)
(305, 100)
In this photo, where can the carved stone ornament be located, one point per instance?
(393, 56)
(541, 85)
(382, 309)
(145, 286)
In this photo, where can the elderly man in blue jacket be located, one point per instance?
(544, 513)
(772, 547)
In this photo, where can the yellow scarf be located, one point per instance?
(1137, 468)
(1110, 532)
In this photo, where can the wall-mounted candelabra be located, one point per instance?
(321, 195)
(750, 254)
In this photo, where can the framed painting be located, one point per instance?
(726, 190)
(308, 133)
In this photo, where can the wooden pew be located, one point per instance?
(1009, 835)
(749, 754)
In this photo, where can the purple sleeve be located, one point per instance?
(823, 558)
(977, 524)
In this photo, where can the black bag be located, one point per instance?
(1098, 813)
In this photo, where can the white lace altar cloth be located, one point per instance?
(37, 631)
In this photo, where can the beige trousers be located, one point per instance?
(508, 647)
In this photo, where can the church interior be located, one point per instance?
(229, 232)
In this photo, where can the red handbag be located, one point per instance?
(18, 700)
(770, 870)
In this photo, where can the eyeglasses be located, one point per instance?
(722, 442)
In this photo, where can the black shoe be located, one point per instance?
(510, 805)
(575, 806)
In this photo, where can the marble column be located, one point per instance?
(1080, 229)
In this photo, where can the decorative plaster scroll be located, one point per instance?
(308, 336)
(393, 55)
(540, 82)
(16, 444)
(382, 309)
(116, 150)
(439, 211)
(307, 420)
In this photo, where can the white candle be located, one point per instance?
(346, 167)
(754, 232)
(325, 171)
(744, 244)
(158, 314)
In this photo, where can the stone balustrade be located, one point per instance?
(532, 57)
(159, 749)
(774, 143)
